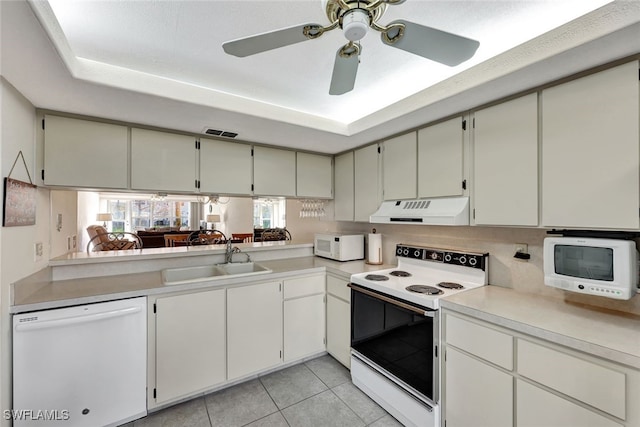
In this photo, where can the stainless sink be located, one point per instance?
(178, 276)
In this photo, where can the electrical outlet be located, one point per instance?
(522, 248)
(74, 241)
(37, 251)
(68, 243)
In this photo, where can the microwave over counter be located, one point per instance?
(594, 266)
(339, 247)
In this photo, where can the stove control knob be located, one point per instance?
(417, 253)
(405, 251)
(434, 255)
(399, 250)
(463, 260)
(473, 261)
(447, 257)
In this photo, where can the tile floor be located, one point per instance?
(318, 392)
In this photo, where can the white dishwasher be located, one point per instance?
(80, 366)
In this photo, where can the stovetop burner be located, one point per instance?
(400, 273)
(450, 285)
(423, 289)
(376, 277)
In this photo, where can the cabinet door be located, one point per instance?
(225, 167)
(343, 187)
(304, 327)
(254, 328)
(537, 407)
(590, 153)
(274, 172)
(162, 161)
(314, 175)
(190, 343)
(366, 180)
(339, 330)
(476, 394)
(505, 163)
(399, 167)
(81, 153)
(440, 167)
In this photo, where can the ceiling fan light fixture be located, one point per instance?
(355, 24)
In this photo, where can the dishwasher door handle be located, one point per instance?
(75, 320)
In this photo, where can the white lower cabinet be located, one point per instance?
(549, 385)
(339, 320)
(304, 317)
(254, 328)
(189, 343)
(477, 394)
(199, 341)
(537, 407)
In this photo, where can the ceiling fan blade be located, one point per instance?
(345, 69)
(437, 45)
(266, 41)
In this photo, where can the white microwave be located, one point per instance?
(339, 247)
(605, 267)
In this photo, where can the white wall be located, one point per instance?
(88, 206)
(303, 229)
(64, 203)
(17, 124)
(236, 215)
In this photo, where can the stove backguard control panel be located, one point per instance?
(466, 259)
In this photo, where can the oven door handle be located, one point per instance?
(422, 312)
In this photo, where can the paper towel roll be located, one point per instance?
(374, 250)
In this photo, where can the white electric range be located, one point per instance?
(395, 325)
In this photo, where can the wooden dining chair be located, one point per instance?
(207, 237)
(211, 239)
(245, 237)
(171, 239)
(103, 240)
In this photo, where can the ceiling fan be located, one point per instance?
(355, 17)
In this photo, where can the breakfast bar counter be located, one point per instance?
(85, 278)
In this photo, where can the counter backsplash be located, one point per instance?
(504, 269)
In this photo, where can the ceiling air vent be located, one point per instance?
(223, 133)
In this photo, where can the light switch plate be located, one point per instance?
(37, 251)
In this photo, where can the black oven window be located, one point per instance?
(396, 339)
(585, 262)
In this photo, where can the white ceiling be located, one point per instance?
(160, 63)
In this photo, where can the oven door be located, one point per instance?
(398, 339)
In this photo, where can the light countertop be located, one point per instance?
(609, 334)
(40, 292)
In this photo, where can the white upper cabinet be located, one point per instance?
(343, 176)
(314, 175)
(590, 153)
(163, 161)
(225, 167)
(440, 159)
(81, 153)
(399, 167)
(274, 172)
(366, 181)
(505, 163)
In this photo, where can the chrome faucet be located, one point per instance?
(228, 255)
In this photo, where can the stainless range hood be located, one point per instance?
(441, 211)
